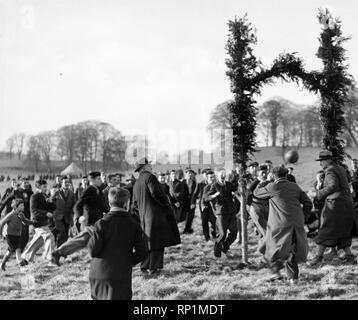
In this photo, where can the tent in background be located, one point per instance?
(72, 170)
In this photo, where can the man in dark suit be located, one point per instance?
(113, 181)
(88, 210)
(176, 196)
(207, 214)
(163, 185)
(189, 202)
(226, 207)
(111, 247)
(63, 215)
(82, 187)
(156, 216)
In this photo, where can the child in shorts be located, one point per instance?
(14, 221)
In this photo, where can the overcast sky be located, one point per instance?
(130, 62)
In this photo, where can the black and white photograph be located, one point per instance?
(166, 150)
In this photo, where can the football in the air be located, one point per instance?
(291, 156)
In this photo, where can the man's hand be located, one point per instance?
(192, 206)
(177, 204)
(49, 214)
(312, 194)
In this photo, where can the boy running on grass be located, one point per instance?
(14, 220)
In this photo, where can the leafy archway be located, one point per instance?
(247, 76)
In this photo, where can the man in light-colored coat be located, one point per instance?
(285, 242)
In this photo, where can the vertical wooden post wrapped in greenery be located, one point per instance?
(240, 64)
(336, 82)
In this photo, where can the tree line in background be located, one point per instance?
(284, 123)
(93, 144)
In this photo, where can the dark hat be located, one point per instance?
(190, 170)
(253, 164)
(140, 163)
(209, 171)
(206, 170)
(325, 155)
(161, 174)
(263, 167)
(268, 161)
(94, 174)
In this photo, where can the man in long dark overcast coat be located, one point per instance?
(156, 216)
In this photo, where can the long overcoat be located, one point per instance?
(286, 220)
(338, 210)
(155, 212)
(111, 248)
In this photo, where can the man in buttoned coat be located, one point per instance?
(156, 216)
(336, 220)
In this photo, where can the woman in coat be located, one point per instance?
(336, 221)
(285, 242)
(156, 216)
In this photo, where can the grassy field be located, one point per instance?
(191, 271)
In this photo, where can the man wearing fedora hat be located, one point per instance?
(337, 214)
(155, 214)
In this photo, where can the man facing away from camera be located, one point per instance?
(286, 241)
(111, 247)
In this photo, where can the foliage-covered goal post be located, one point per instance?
(247, 75)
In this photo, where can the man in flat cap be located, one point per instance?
(177, 193)
(204, 207)
(226, 207)
(163, 184)
(336, 221)
(88, 210)
(189, 202)
(156, 216)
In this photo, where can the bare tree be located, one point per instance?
(46, 140)
(19, 143)
(272, 111)
(10, 143)
(66, 137)
(34, 151)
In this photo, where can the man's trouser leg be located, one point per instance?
(62, 234)
(76, 243)
(232, 235)
(258, 221)
(49, 246)
(154, 260)
(35, 245)
(24, 238)
(291, 264)
(212, 220)
(205, 216)
(220, 235)
(189, 219)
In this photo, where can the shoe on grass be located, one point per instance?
(315, 261)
